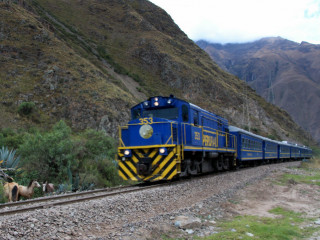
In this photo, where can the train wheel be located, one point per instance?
(184, 169)
(218, 164)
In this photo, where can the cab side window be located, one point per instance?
(185, 113)
(195, 118)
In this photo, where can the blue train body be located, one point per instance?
(168, 137)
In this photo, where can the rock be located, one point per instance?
(249, 234)
(317, 222)
(187, 222)
(189, 231)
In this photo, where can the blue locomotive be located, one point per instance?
(168, 137)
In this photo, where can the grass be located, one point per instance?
(284, 227)
(311, 176)
(294, 178)
(287, 224)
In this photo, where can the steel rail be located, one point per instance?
(54, 197)
(69, 201)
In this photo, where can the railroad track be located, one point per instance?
(56, 200)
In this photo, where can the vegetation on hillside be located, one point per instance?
(88, 61)
(72, 160)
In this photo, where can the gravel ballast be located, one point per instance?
(140, 215)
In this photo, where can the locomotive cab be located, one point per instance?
(168, 137)
(148, 143)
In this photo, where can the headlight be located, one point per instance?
(127, 153)
(163, 151)
(169, 101)
(156, 104)
(146, 131)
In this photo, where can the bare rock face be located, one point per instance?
(285, 73)
(88, 62)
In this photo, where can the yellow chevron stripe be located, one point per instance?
(133, 168)
(156, 160)
(158, 178)
(153, 153)
(127, 171)
(158, 169)
(174, 173)
(134, 159)
(169, 168)
(123, 176)
(166, 160)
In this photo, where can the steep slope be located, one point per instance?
(89, 61)
(285, 73)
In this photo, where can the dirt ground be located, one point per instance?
(257, 199)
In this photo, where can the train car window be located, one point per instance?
(195, 118)
(185, 113)
(167, 113)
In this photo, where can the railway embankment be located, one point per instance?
(184, 209)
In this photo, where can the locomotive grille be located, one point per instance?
(148, 165)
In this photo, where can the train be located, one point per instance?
(169, 138)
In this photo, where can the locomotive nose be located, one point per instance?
(144, 167)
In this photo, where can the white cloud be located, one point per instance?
(246, 20)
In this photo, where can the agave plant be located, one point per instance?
(8, 158)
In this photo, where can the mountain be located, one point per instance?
(285, 73)
(88, 62)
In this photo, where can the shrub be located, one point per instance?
(26, 108)
(3, 199)
(10, 138)
(78, 160)
(47, 155)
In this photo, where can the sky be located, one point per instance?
(238, 21)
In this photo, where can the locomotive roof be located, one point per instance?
(236, 129)
(190, 104)
(207, 112)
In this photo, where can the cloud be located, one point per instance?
(313, 10)
(246, 20)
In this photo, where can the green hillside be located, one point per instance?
(88, 62)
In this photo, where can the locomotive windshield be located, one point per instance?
(166, 113)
